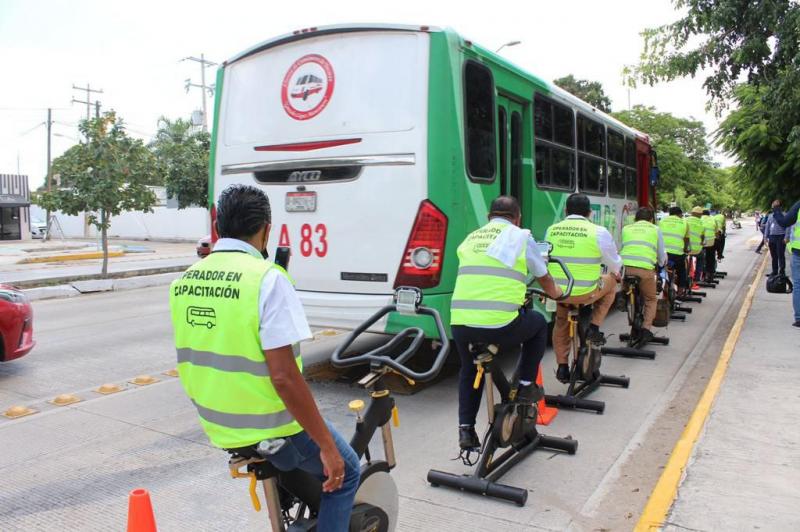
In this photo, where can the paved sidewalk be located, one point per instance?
(744, 473)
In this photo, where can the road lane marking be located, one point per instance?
(663, 495)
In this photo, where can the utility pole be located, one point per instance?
(204, 63)
(47, 176)
(96, 109)
(88, 102)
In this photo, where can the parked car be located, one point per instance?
(38, 227)
(16, 324)
(204, 246)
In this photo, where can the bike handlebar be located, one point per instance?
(379, 358)
(570, 280)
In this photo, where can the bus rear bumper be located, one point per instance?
(343, 311)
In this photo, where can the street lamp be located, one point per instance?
(509, 43)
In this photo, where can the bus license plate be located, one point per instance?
(301, 201)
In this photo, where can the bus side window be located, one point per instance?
(591, 156)
(554, 147)
(481, 146)
(631, 171)
(503, 121)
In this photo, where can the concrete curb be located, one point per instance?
(99, 285)
(70, 256)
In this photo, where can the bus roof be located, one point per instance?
(555, 91)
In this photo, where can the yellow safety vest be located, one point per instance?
(215, 315)
(794, 243)
(709, 230)
(487, 292)
(695, 235)
(575, 243)
(674, 229)
(640, 245)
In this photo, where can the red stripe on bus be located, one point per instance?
(307, 146)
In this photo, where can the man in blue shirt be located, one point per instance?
(775, 234)
(788, 220)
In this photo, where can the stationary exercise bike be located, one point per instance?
(293, 497)
(634, 306)
(512, 425)
(585, 360)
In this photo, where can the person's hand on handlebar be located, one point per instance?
(550, 287)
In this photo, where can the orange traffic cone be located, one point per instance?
(140, 512)
(546, 413)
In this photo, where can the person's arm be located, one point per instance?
(785, 219)
(662, 250)
(282, 325)
(538, 268)
(296, 395)
(608, 248)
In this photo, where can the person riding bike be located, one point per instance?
(242, 367)
(677, 236)
(493, 265)
(584, 247)
(697, 239)
(642, 251)
(709, 245)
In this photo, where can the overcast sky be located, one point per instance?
(132, 51)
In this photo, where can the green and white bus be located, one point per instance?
(381, 146)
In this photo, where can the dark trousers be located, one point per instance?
(720, 243)
(679, 264)
(528, 329)
(777, 249)
(710, 262)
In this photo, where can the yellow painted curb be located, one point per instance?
(663, 495)
(72, 256)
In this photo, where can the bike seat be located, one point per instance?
(632, 279)
(479, 349)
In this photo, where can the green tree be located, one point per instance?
(683, 151)
(103, 175)
(182, 154)
(589, 91)
(731, 42)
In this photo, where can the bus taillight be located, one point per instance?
(421, 265)
(214, 235)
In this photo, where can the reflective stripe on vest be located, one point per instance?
(695, 235)
(215, 314)
(673, 229)
(575, 243)
(487, 293)
(640, 245)
(794, 243)
(709, 230)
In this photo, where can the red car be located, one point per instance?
(16, 324)
(204, 247)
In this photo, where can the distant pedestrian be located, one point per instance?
(789, 221)
(775, 235)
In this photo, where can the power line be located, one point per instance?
(204, 63)
(88, 101)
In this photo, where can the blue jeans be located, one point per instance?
(300, 452)
(796, 282)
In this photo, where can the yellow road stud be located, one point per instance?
(19, 411)
(143, 380)
(106, 389)
(171, 373)
(65, 399)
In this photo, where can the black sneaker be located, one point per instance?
(796, 324)
(595, 336)
(645, 336)
(468, 438)
(562, 373)
(529, 394)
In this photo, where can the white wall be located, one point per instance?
(162, 224)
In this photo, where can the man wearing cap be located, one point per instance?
(697, 237)
(677, 241)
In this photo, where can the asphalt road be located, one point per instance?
(71, 467)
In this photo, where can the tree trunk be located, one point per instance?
(104, 238)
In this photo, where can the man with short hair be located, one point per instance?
(494, 262)
(677, 241)
(775, 235)
(709, 245)
(584, 247)
(791, 221)
(241, 367)
(642, 251)
(696, 241)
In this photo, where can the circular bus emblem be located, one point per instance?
(307, 87)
